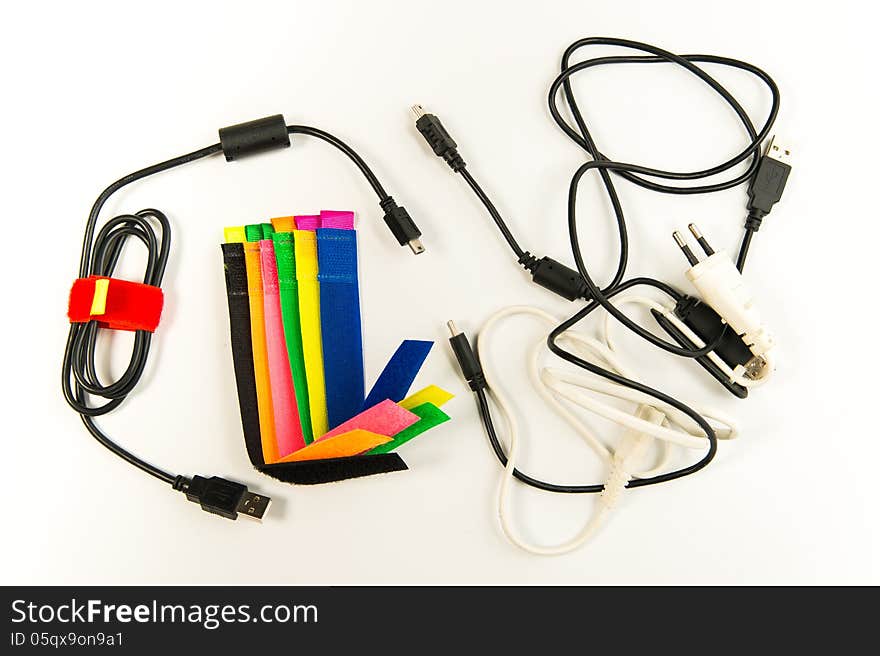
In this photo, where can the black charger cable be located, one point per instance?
(766, 174)
(100, 254)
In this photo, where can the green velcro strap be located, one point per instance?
(429, 416)
(258, 231)
(286, 260)
(253, 232)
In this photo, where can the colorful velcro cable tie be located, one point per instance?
(400, 372)
(294, 314)
(429, 416)
(242, 350)
(289, 296)
(288, 430)
(337, 220)
(261, 357)
(306, 250)
(115, 303)
(341, 323)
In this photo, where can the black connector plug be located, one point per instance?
(222, 497)
(546, 272)
(443, 145)
(402, 226)
(765, 189)
(467, 359)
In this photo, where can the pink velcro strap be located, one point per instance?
(308, 222)
(385, 418)
(288, 430)
(337, 220)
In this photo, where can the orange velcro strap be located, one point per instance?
(114, 303)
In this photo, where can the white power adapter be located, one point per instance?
(722, 286)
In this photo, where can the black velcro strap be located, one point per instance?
(312, 472)
(242, 351)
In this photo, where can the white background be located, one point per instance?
(95, 90)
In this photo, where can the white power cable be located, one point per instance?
(650, 420)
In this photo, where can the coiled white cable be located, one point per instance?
(650, 420)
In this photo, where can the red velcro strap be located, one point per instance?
(118, 304)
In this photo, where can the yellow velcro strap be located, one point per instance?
(306, 255)
(234, 235)
(99, 300)
(431, 394)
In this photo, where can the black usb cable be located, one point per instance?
(766, 175)
(100, 255)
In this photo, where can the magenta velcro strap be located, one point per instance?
(337, 220)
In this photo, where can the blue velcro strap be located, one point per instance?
(400, 372)
(340, 324)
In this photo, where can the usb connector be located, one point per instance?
(779, 152)
(769, 182)
(222, 497)
(253, 505)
